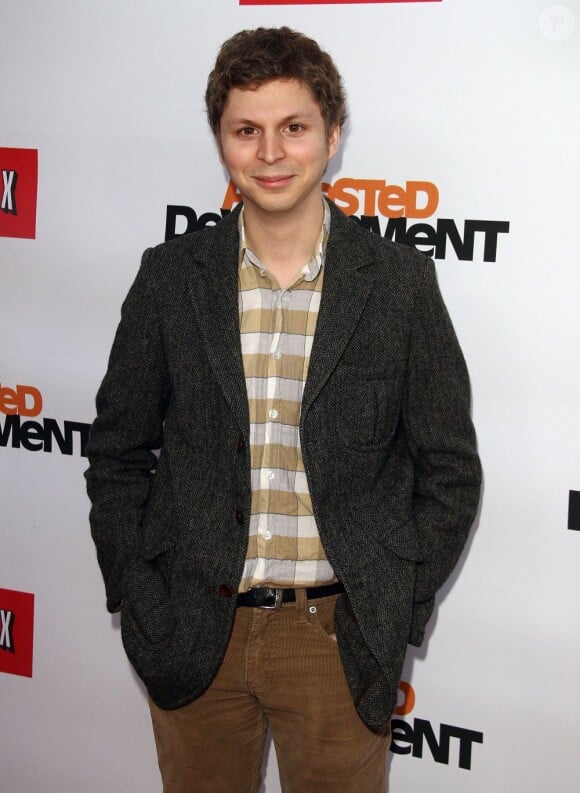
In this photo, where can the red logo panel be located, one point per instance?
(18, 189)
(325, 2)
(16, 632)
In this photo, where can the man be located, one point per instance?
(317, 473)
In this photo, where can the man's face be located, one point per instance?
(275, 147)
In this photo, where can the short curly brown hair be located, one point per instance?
(252, 58)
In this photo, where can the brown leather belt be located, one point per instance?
(272, 597)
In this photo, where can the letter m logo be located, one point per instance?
(18, 192)
(16, 632)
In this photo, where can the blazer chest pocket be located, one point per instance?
(367, 405)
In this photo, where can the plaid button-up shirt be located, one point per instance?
(277, 330)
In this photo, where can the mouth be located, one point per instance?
(270, 182)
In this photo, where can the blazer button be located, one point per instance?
(225, 591)
(239, 517)
(240, 445)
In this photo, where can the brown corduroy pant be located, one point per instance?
(281, 671)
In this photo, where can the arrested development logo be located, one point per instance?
(16, 632)
(19, 404)
(446, 744)
(19, 172)
(383, 208)
(574, 510)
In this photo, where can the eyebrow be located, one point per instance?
(287, 120)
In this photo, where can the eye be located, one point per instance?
(295, 128)
(246, 132)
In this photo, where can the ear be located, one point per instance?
(218, 144)
(333, 141)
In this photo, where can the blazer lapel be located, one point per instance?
(214, 288)
(345, 292)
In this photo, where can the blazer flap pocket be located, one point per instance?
(155, 548)
(390, 526)
(404, 541)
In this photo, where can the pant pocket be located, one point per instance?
(321, 617)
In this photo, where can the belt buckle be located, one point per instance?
(277, 599)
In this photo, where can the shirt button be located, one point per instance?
(277, 355)
(267, 534)
(286, 299)
(240, 445)
(239, 516)
(273, 413)
(225, 591)
(270, 474)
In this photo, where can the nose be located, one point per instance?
(270, 149)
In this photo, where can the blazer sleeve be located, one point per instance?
(436, 415)
(131, 404)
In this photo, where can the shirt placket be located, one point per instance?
(269, 475)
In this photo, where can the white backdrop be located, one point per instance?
(479, 99)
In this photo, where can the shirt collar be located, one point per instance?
(312, 267)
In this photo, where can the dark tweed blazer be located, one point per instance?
(388, 446)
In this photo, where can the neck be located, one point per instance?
(282, 243)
